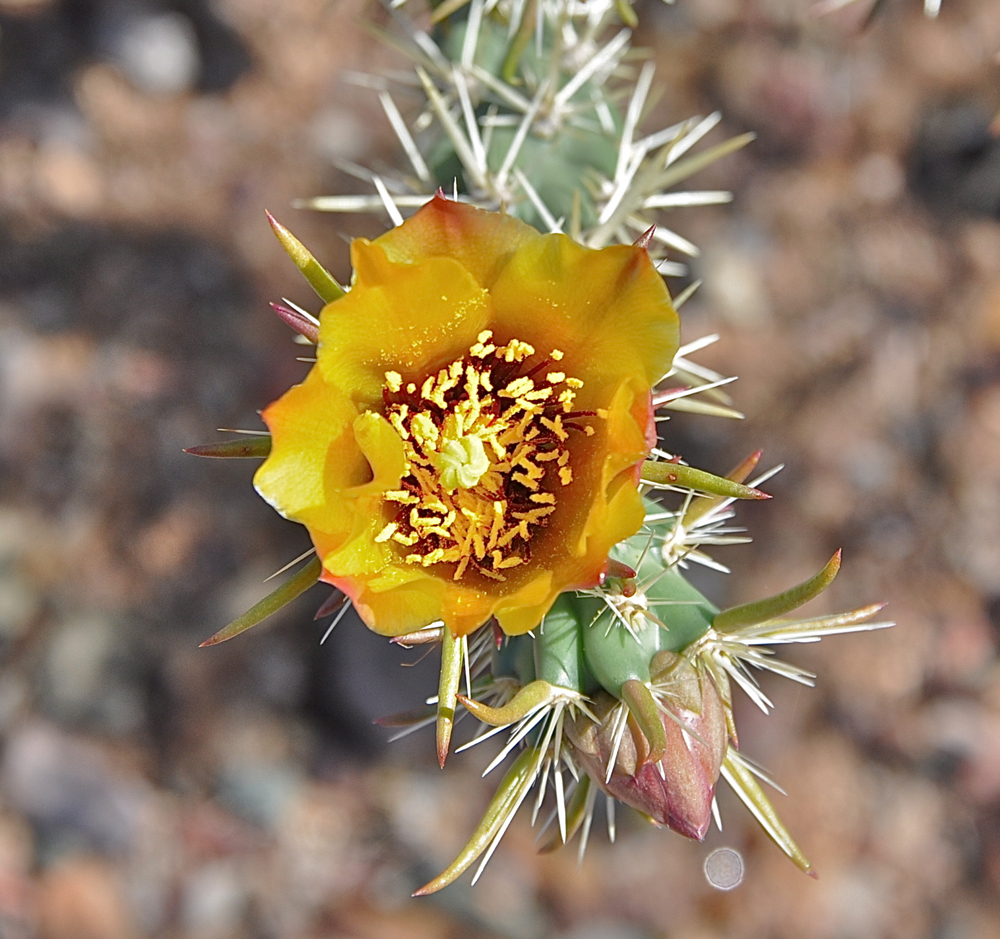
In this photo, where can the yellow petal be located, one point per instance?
(313, 454)
(482, 242)
(608, 310)
(402, 317)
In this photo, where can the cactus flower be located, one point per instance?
(467, 444)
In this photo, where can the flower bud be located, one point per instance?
(677, 791)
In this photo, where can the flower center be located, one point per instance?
(486, 449)
(461, 462)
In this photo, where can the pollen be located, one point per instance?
(486, 441)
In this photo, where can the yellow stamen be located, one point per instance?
(479, 470)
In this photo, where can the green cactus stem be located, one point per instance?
(559, 657)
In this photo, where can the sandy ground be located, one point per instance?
(149, 789)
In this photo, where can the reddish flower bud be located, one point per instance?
(677, 791)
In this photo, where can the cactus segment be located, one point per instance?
(559, 657)
(616, 654)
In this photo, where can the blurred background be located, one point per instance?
(152, 789)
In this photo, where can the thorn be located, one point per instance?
(297, 584)
(331, 604)
(620, 577)
(256, 447)
(320, 279)
(668, 473)
(419, 637)
(298, 322)
(645, 239)
(497, 634)
(451, 675)
(527, 701)
(762, 611)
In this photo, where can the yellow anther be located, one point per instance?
(517, 387)
(555, 426)
(464, 449)
(566, 399)
(386, 533)
(525, 480)
(556, 356)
